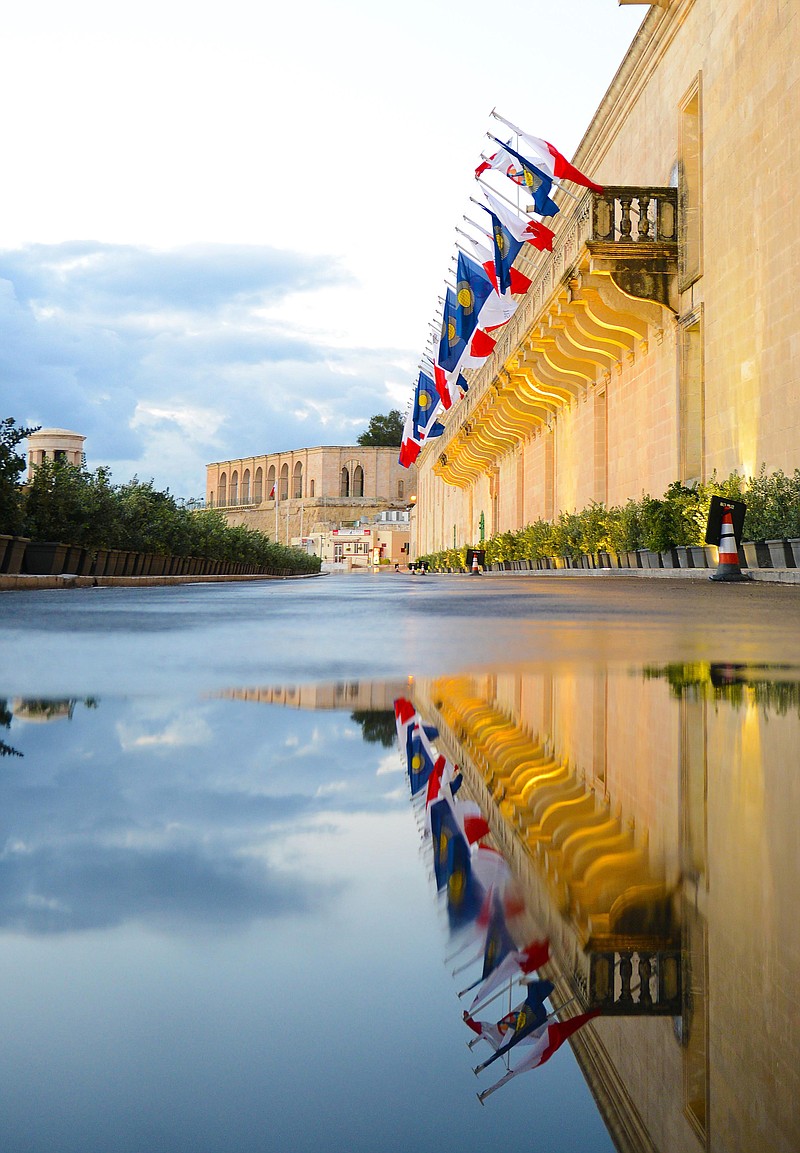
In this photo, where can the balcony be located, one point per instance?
(596, 300)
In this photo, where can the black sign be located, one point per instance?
(480, 553)
(719, 506)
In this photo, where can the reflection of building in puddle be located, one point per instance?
(43, 710)
(617, 800)
(356, 695)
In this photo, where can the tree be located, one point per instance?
(11, 465)
(384, 431)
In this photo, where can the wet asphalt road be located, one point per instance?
(364, 626)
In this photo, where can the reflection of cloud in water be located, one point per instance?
(390, 764)
(331, 788)
(189, 730)
(58, 888)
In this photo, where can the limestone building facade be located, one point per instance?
(308, 490)
(659, 340)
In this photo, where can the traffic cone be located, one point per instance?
(475, 570)
(728, 568)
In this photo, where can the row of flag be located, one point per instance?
(488, 286)
(481, 898)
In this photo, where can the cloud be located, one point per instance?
(57, 889)
(166, 360)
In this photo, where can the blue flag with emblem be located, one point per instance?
(444, 829)
(506, 248)
(419, 757)
(473, 289)
(465, 893)
(535, 182)
(451, 345)
(426, 402)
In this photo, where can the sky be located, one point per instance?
(224, 229)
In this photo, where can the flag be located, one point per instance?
(536, 182)
(451, 344)
(410, 446)
(550, 159)
(495, 1032)
(514, 964)
(426, 403)
(472, 821)
(498, 944)
(473, 290)
(447, 383)
(419, 757)
(531, 1016)
(518, 283)
(530, 231)
(404, 715)
(547, 1041)
(444, 829)
(465, 895)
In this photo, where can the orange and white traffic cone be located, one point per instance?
(475, 570)
(728, 568)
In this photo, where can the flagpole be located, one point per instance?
(492, 1088)
(466, 965)
(482, 1006)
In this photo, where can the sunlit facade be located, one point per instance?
(308, 490)
(658, 341)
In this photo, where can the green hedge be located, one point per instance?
(677, 518)
(66, 503)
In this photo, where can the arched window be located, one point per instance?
(234, 497)
(246, 486)
(211, 498)
(400, 489)
(285, 482)
(311, 488)
(271, 490)
(258, 487)
(297, 488)
(358, 481)
(344, 489)
(223, 490)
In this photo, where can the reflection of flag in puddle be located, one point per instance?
(457, 831)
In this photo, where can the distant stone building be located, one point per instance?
(54, 444)
(307, 490)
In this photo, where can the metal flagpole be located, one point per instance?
(483, 1004)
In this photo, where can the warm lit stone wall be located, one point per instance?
(708, 101)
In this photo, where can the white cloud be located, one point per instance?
(269, 224)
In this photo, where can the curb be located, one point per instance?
(26, 582)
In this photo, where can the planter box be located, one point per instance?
(14, 554)
(100, 562)
(794, 550)
(697, 556)
(669, 558)
(780, 554)
(650, 559)
(44, 558)
(756, 554)
(73, 561)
